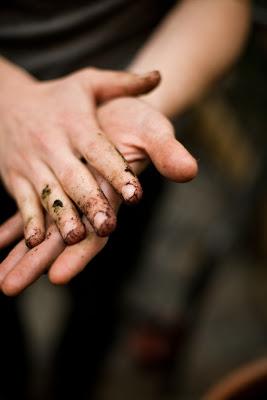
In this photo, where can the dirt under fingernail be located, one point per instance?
(128, 191)
(99, 219)
(35, 239)
(75, 236)
(131, 193)
(104, 224)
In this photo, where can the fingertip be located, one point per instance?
(174, 162)
(11, 287)
(150, 81)
(75, 235)
(58, 277)
(181, 170)
(104, 223)
(61, 273)
(35, 239)
(132, 193)
(154, 76)
(188, 169)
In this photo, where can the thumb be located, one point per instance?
(107, 85)
(171, 158)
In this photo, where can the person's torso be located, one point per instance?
(53, 37)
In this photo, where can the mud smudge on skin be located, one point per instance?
(57, 205)
(83, 160)
(36, 238)
(48, 235)
(75, 236)
(45, 192)
(135, 198)
(128, 169)
(91, 207)
(121, 155)
(28, 221)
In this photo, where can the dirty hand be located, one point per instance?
(140, 133)
(48, 132)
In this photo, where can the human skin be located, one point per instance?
(209, 35)
(46, 128)
(140, 133)
(196, 44)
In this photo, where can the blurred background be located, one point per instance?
(191, 306)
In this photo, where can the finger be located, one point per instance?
(75, 258)
(113, 197)
(99, 152)
(58, 206)
(11, 230)
(107, 85)
(83, 189)
(169, 156)
(31, 210)
(12, 259)
(33, 263)
(152, 135)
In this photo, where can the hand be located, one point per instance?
(140, 133)
(46, 130)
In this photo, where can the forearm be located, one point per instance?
(193, 47)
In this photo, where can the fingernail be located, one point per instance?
(99, 219)
(104, 225)
(75, 235)
(128, 191)
(36, 238)
(152, 74)
(148, 73)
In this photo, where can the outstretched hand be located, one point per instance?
(47, 130)
(140, 133)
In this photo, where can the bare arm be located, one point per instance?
(194, 46)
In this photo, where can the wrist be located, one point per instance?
(159, 98)
(154, 101)
(13, 76)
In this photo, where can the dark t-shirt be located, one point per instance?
(53, 37)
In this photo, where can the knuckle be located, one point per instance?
(66, 174)
(67, 120)
(41, 140)
(156, 124)
(164, 125)
(86, 73)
